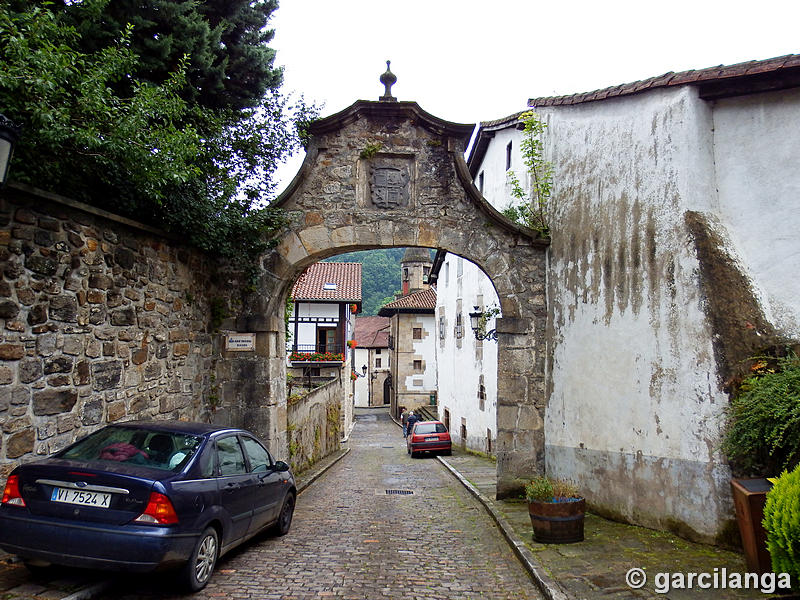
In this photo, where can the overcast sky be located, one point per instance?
(468, 61)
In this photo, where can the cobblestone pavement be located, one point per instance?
(352, 540)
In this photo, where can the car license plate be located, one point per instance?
(84, 498)
(432, 439)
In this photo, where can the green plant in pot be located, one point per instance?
(556, 509)
(762, 438)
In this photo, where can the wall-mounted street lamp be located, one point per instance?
(9, 134)
(363, 371)
(475, 319)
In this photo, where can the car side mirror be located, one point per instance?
(280, 466)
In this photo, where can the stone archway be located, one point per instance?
(387, 174)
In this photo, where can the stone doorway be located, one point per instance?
(387, 174)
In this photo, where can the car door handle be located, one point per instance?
(232, 486)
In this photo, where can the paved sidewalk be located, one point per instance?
(596, 567)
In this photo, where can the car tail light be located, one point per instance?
(11, 494)
(159, 511)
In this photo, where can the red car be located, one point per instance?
(429, 436)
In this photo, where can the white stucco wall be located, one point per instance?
(496, 188)
(755, 151)
(635, 405)
(462, 362)
(426, 350)
(361, 384)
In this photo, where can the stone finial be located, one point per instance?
(388, 79)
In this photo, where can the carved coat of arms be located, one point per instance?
(389, 187)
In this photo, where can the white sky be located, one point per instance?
(468, 61)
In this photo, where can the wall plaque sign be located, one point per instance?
(240, 342)
(389, 186)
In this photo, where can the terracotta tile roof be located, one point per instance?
(343, 279)
(782, 72)
(372, 332)
(422, 301)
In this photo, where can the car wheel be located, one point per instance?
(285, 518)
(197, 572)
(448, 452)
(38, 568)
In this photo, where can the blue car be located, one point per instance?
(147, 496)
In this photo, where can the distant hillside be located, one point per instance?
(380, 275)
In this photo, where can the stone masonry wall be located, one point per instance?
(314, 424)
(101, 320)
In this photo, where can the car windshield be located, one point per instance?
(133, 445)
(423, 428)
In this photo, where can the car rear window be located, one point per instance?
(158, 449)
(423, 428)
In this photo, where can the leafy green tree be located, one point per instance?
(150, 154)
(228, 62)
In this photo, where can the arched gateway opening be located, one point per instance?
(387, 174)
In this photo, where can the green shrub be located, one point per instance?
(545, 489)
(763, 420)
(782, 524)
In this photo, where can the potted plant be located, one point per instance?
(762, 438)
(556, 509)
(354, 308)
(351, 343)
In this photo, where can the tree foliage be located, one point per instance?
(228, 63)
(95, 131)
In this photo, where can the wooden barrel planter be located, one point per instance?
(557, 522)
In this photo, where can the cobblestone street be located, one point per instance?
(351, 539)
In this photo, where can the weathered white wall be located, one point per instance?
(755, 151)
(635, 405)
(462, 361)
(496, 188)
(361, 386)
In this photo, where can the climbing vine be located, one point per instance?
(531, 210)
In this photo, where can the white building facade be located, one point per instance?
(467, 367)
(673, 259)
(320, 327)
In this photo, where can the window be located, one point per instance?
(326, 340)
(459, 327)
(480, 182)
(405, 273)
(377, 350)
(446, 274)
(330, 287)
(481, 394)
(231, 459)
(377, 363)
(488, 441)
(418, 365)
(417, 333)
(508, 156)
(442, 327)
(260, 459)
